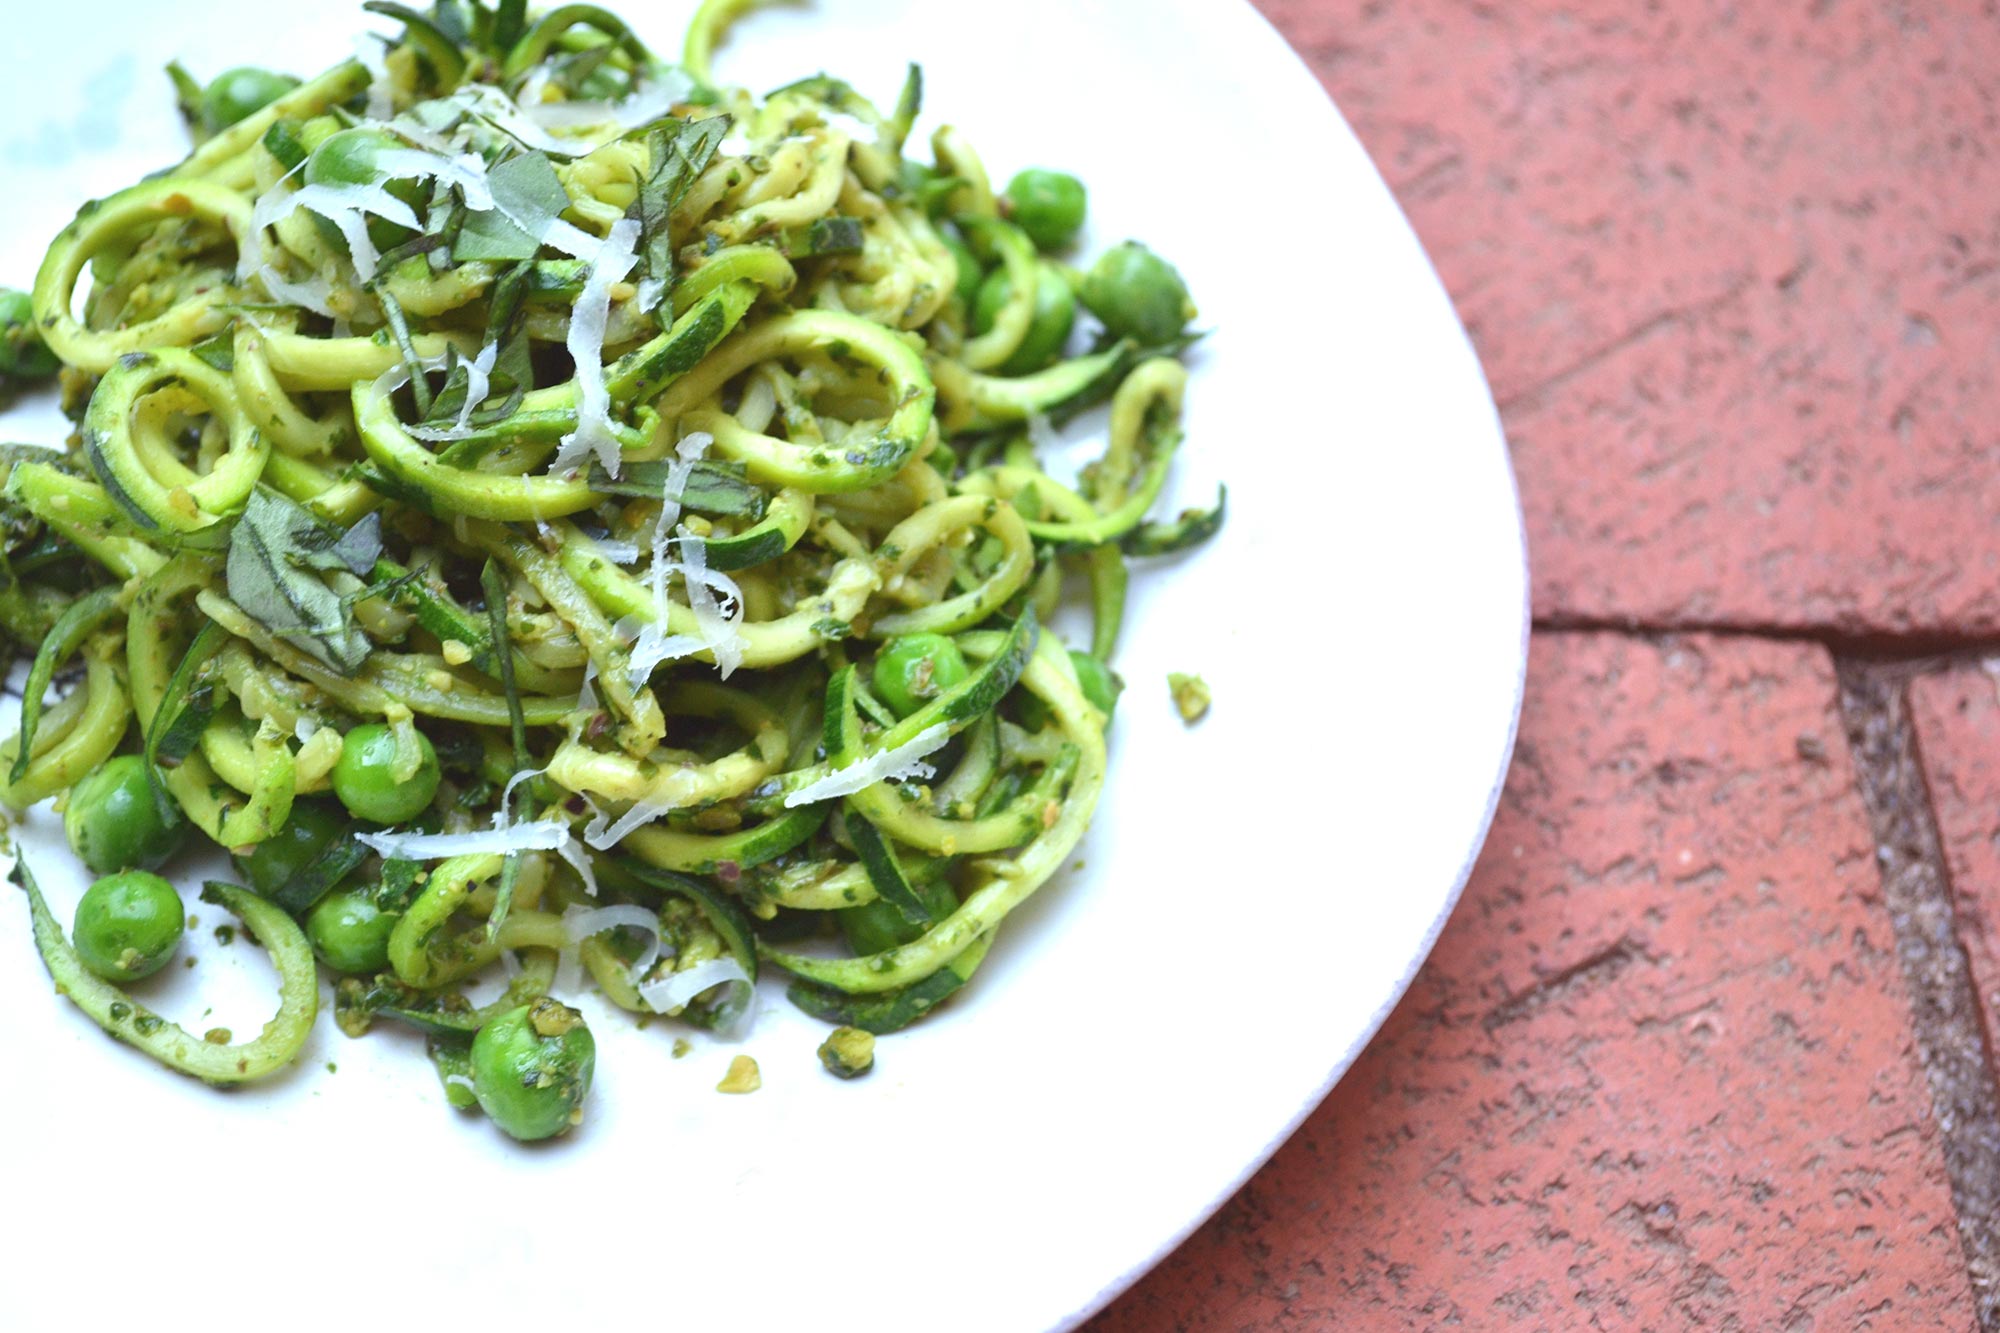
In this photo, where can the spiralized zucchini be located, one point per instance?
(631, 481)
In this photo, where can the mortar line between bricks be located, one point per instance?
(1928, 650)
(1916, 887)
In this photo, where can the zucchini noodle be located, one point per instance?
(653, 467)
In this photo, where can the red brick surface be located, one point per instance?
(1658, 1073)
(1957, 717)
(1734, 272)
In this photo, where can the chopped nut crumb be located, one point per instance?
(743, 1076)
(1191, 696)
(848, 1052)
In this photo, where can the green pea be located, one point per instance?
(353, 157)
(23, 354)
(128, 925)
(1055, 315)
(970, 271)
(1100, 684)
(349, 157)
(366, 780)
(878, 925)
(114, 823)
(350, 932)
(1138, 295)
(235, 94)
(913, 669)
(276, 861)
(1048, 205)
(531, 1068)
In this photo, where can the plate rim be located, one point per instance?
(1269, 34)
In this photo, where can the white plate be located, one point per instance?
(1256, 894)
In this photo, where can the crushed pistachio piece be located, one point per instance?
(742, 1076)
(1191, 696)
(552, 1018)
(848, 1052)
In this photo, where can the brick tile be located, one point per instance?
(1659, 1071)
(1957, 717)
(1734, 271)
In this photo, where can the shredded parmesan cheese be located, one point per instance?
(467, 171)
(584, 922)
(374, 58)
(313, 294)
(891, 765)
(617, 552)
(609, 262)
(654, 644)
(602, 832)
(538, 835)
(643, 107)
(675, 990)
(715, 620)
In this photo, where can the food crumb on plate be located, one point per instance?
(743, 1076)
(1191, 696)
(848, 1052)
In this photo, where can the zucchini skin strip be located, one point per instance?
(194, 511)
(930, 526)
(387, 680)
(614, 664)
(425, 953)
(815, 621)
(671, 786)
(61, 755)
(1007, 883)
(78, 622)
(447, 489)
(82, 512)
(100, 223)
(858, 463)
(959, 707)
(891, 1011)
(708, 854)
(275, 1047)
(153, 626)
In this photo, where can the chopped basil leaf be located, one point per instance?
(399, 329)
(680, 151)
(827, 236)
(711, 488)
(219, 351)
(527, 196)
(275, 552)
